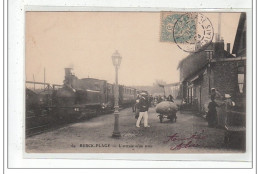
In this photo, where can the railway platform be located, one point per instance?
(189, 134)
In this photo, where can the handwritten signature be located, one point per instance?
(187, 141)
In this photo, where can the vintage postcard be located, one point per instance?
(162, 82)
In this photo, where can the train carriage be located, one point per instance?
(127, 96)
(110, 98)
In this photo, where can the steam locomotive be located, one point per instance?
(89, 95)
(76, 99)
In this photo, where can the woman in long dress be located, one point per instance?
(212, 113)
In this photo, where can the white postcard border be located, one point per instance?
(16, 81)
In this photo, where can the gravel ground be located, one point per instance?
(95, 135)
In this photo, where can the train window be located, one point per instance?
(109, 89)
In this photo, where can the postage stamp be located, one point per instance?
(168, 20)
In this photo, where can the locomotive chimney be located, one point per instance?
(228, 48)
(68, 77)
(68, 72)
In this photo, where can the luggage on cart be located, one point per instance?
(167, 109)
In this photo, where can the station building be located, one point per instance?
(218, 68)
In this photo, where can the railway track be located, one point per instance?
(36, 130)
(37, 124)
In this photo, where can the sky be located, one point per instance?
(85, 41)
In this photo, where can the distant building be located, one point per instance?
(216, 68)
(173, 89)
(155, 90)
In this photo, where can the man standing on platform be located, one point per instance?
(143, 106)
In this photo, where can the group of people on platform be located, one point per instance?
(159, 99)
(143, 102)
(212, 108)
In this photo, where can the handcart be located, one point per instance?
(168, 110)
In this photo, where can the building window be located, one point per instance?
(109, 90)
(190, 94)
(209, 54)
(241, 78)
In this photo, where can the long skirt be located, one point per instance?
(212, 118)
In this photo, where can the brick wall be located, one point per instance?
(225, 77)
(225, 81)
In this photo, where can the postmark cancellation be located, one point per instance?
(192, 32)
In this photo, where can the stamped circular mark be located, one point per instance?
(193, 32)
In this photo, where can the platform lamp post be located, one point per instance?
(116, 58)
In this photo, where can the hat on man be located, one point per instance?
(143, 93)
(227, 96)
